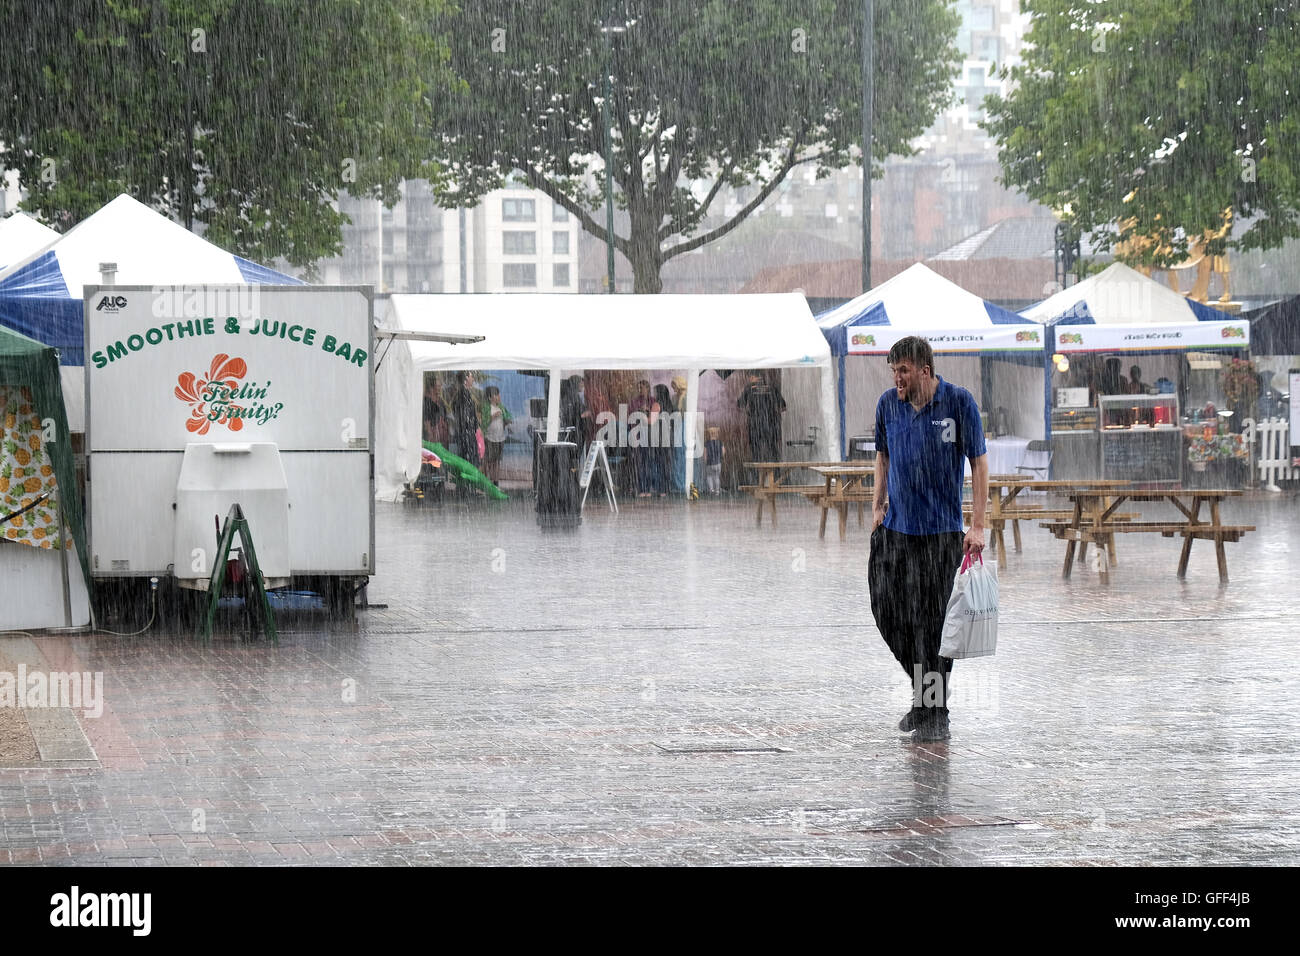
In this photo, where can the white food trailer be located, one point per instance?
(201, 397)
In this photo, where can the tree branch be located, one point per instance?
(703, 209)
(753, 204)
(653, 142)
(666, 181)
(542, 184)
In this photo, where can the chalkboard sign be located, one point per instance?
(1143, 455)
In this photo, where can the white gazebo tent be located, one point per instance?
(559, 333)
(20, 236)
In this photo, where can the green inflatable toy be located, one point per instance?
(462, 472)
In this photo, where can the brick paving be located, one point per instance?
(675, 686)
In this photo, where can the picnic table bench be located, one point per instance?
(773, 477)
(1004, 506)
(845, 484)
(1093, 521)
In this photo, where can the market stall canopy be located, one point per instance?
(919, 301)
(40, 296)
(1130, 312)
(547, 331)
(20, 236)
(1275, 329)
(37, 488)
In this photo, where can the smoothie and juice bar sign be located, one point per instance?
(878, 339)
(1121, 338)
(284, 364)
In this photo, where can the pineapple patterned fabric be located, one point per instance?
(26, 473)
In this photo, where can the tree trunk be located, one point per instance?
(645, 259)
(646, 281)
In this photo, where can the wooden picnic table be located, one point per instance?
(773, 477)
(846, 483)
(1003, 506)
(1092, 521)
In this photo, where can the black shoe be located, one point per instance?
(933, 727)
(911, 719)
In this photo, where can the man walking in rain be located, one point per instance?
(925, 429)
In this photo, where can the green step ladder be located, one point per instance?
(236, 522)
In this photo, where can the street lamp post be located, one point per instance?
(868, 109)
(609, 28)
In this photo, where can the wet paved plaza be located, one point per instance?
(673, 685)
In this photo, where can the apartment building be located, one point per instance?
(514, 240)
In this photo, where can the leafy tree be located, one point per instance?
(246, 115)
(1147, 119)
(703, 91)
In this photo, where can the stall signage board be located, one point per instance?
(878, 339)
(1122, 338)
(285, 364)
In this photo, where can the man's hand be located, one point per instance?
(974, 542)
(877, 516)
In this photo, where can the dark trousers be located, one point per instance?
(764, 445)
(910, 579)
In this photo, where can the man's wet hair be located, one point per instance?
(912, 349)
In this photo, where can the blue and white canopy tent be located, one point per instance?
(991, 351)
(1119, 311)
(41, 295)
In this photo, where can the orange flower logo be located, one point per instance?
(191, 389)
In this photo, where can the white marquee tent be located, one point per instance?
(20, 236)
(570, 333)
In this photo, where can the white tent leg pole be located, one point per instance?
(553, 407)
(690, 425)
(830, 417)
(63, 567)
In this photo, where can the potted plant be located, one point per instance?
(1218, 448)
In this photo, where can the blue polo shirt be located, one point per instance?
(927, 452)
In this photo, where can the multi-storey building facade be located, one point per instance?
(514, 240)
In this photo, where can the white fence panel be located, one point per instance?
(1274, 446)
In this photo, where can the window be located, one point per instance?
(519, 243)
(559, 213)
(560, 243)
(519, 275)
(518, 210)
(560, 275)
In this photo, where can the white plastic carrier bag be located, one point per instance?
(970, 628)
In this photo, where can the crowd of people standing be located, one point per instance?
(477, 429)
(476, 425)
